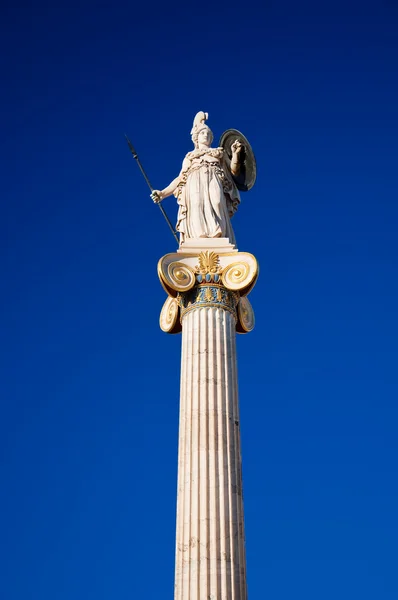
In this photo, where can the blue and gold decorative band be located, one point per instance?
(208, 296)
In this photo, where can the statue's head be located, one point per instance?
(200, 132)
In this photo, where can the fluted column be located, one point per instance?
(210, 545)
(208, 301)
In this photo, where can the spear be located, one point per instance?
(135, 155)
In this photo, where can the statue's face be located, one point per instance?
(205, 136)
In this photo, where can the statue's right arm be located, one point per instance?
(159, 195)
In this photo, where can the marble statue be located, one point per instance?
(207, 281)
(206, 193)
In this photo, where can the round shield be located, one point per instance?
(248, 171)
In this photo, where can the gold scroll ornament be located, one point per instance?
(169, 321)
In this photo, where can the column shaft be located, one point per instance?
(210, 548)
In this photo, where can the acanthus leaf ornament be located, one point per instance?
(209, 263)
(208, 294)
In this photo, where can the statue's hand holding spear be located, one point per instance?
(156, 195)
(159, 195)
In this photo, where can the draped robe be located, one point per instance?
(207, 196)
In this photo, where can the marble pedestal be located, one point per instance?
(207, 300)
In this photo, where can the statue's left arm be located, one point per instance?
(231, 170)
(235, 159)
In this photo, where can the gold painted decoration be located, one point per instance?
(175, 276)
(238, 275)
(206, 279)
(169, 316)
(209, 262)
(179, 276)
(208, 294)
(246, 319)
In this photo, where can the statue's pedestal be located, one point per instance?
(207, 282)
(198, 245)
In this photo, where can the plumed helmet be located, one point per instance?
(199, 122)
(198, 125)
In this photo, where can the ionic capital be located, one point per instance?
(208, 280)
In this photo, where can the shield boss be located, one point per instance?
(248, 171)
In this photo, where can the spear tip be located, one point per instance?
(130, 145)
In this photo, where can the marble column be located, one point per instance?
(210, 539)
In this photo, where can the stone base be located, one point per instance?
(198, 245)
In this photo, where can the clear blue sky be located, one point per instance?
(90, 385)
